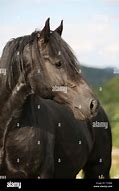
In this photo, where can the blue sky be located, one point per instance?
(91, 27)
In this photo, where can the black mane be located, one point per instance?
(12, 57)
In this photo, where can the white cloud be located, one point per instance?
(90, 40)
(112, 48)
(43, 1)
(111, 1)
(96, 42)
(86, 46)
(9, 32)
(89, 36)
(101, 17)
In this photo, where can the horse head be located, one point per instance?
(47, 64)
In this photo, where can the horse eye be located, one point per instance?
(58, 64)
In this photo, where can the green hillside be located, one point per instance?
(109, 98)
(97, 76)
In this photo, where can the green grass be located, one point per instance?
(115, 163)
(115, 136)
(109, 98)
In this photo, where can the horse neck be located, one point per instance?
(10, 113)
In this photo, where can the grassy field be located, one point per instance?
(109, 98)
(115, 163)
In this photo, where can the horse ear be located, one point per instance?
(60, 28)
(45, 32)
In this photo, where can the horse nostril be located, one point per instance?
(94, 106)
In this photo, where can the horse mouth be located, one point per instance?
(79, 114)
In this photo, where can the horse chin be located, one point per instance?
(79, 115)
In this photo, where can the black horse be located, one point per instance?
(41, 64)
(48, 142)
